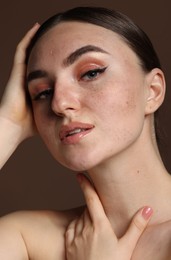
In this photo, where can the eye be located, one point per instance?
(45, 94)
(92, 74)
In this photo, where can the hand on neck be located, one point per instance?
(126, 186)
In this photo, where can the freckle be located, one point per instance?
(138, 171)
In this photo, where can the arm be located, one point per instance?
(16, 123)
(91, 236)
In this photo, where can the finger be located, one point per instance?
(79, 225)
(136, 228)
(93, 202)
(70, 233)
(20, 54)
(86, 218)
(19, 67)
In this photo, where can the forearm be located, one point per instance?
(10, 137)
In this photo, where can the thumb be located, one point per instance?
(136, 228)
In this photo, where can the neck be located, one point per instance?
(130, 181)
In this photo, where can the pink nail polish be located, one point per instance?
(147, 212)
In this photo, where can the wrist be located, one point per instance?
(10, 138)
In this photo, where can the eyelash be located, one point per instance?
(49, 92)
(44, 94)
(95, 73)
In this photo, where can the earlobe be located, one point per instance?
(156, 90)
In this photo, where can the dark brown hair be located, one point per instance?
(115, 21)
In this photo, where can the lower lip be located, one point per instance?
(74, 139)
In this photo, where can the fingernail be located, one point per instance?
(147, 212)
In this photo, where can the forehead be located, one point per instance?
(66, 37)
(78, 31)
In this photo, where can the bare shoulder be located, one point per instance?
(37, 234)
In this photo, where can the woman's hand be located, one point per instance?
(14, 107)
(16, 121)
(91, 237)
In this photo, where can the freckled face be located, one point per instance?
(88, 106)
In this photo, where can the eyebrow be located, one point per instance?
(79, 52)
(36, 74)
(74, 56)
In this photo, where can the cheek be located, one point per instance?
(43, 120)
(114, 101)
(120, 111)
(38, 118)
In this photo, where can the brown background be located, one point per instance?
(31, 179)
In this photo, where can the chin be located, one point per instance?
(77, 165)
(80, 160)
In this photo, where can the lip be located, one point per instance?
(72, 133)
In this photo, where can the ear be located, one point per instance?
(156, 90)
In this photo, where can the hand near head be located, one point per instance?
(13, 105)
(91, 237)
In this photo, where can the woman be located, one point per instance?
(95, 82)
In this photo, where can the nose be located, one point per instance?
(65, 100)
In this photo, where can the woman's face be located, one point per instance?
(88, 94)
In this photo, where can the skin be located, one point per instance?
(125, 122)
(79, 99)
(119, 102)
(91, 235)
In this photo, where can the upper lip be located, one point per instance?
(65, 130)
